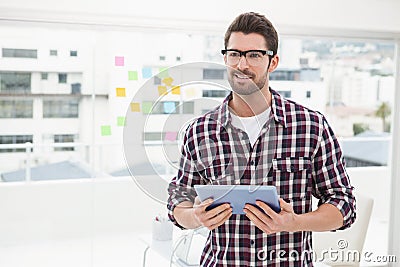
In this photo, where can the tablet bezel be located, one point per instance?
(239, 195)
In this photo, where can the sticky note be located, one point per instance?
(119, 61)
(132, 75)
(146, 107)
(162, 90)
(169, 107)
(105, 130)
(170, 136)
(163, 72)
(146, 73)
(168, 81)
(120, 121)
(121, 92)
(176, 90)
(190, 92)
(135, 107)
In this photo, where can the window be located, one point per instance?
(152, 136)
(16, 108)
(62, 78)
(65, 108)
(166, 107)
(285, 75)
(21, 53)
(44, 75)
(286, 94)
(64, 138)
(14, 139)
(15, 82)
(308, 94)
(161, 58)
(73, 53)
(215, 93)
(213, 74)
(178, 58)
(53, 52)
(188, 107)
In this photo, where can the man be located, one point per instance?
(257, 137)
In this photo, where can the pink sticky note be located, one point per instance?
(170, 136)
(119, 61)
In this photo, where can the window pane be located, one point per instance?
(21, 53)
(15, 139)
(64, 138)
(213, 74)
(62, 78)
(61, 108)
(15, 82)
(16, 108)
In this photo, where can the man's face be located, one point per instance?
(244, 78)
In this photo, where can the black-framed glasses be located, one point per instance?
(253, 57)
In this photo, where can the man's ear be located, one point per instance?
(274, 63)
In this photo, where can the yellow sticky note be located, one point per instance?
(121, 92)
(162, 90)
(190, 92)
(176, 90)
(168, 81)
(135, 107)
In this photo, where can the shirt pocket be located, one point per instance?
(291, 176)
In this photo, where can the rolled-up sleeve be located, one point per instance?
(181, 187)
(331, 183)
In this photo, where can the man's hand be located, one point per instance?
(271, 222)
(211, 218)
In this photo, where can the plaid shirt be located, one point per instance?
(296, 151)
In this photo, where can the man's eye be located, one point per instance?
(254, 55)
(234, 54)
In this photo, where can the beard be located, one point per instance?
(244, 82)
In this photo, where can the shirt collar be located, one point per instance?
(277, 109)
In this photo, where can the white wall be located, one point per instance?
(371, 15)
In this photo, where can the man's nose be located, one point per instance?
(242, 64)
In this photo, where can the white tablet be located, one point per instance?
(239, 195)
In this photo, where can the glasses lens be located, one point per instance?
(233, 57)
(254, 58)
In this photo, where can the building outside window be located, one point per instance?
(62, 78)
(73, 53)
(15, 82)
(63, 108)
(64, 138)
(53, 52)
(15, 139)
(16, 108)
(44, 75)
(20, 53)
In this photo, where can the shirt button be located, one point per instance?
(252, 162)
(292, 167)
(252, 242)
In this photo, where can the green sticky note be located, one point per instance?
(146, 107)
(120, 121)
(132, 75)
(105, 130)
(163, 72)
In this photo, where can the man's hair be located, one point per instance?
(252, 22)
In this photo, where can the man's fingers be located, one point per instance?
(219, 219)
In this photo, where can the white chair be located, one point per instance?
(346, 245)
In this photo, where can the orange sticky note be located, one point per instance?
(135, 107)
(176, 90)
(168, 81)
(121, 92)
(162, 90)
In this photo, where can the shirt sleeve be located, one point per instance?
(331, 183)
(181, 187)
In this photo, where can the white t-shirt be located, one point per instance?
(251, 125)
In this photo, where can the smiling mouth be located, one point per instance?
(242, 76)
